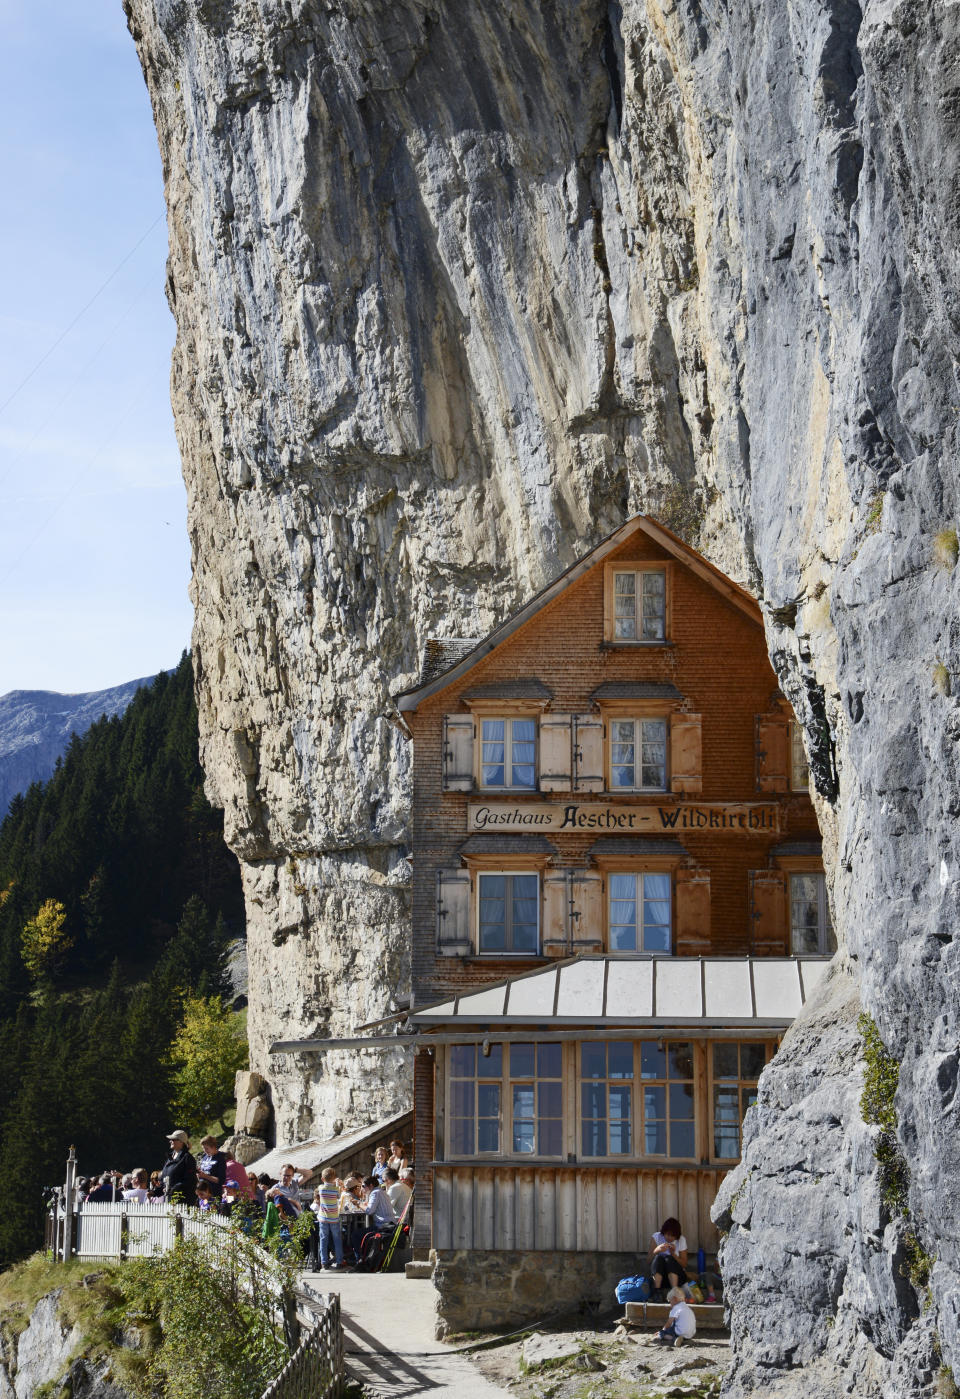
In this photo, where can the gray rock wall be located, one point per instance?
(457, 289)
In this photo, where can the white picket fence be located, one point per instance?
(126, 1230)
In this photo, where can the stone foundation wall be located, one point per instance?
(481, 1290)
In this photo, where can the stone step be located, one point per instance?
(419, 1270)
(709, 1315)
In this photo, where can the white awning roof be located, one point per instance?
(720, 992)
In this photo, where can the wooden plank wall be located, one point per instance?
(555, 1208)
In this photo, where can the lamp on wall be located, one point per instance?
(485, 1049)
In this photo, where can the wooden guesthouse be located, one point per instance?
(618, 907)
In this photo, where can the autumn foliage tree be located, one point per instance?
(208, 1049)
(46, 940)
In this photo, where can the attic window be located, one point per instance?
(636, 605)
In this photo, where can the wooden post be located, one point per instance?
(69, 1195)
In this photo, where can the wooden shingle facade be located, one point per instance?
(618, 904)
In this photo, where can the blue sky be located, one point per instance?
(94, 559)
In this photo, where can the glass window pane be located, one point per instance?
(654, 1101)
(620, 1099)
(461, 1097)
(653, 605)
(551, 1137)
(461, 1136)
(682, 1139)
(725, 1063)
(524, 1137)
(493, 937)
(492, 1062)
(680, 1058)
(654, 1138)
(488, 1100)
(620, 1137)
(620, 1059)
(524, 1097)
(726, 1105)
(726, 1141)
(681, 1101)
(594, 1137)
(623, 938)
(522, 1057)
(656, 939)
(752, 1059)
(748, 1096)
(593, 1060)
(488, 1135)
(463, 1060)
(549, 1060)
(653, 1060)
(551, 1099)
(593, 1100)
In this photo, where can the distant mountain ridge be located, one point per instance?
(35, 728)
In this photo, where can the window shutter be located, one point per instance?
(587, 753)
(768, 913)
(556, 913)
(692, 916)
(453, 913)
(587, 920)
(556, 771)
(686, 749)
(773, 752)
(458, 753)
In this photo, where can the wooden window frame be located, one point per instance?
(608, 923)
(506, 1081)
(508, 721)
(824, 922)
(636, 1156)
(703, 1081)
(508, 872)
(806, 864)
(638, 718)
(613, 863)
(770, 1048)
(636, 566)
(504, 709)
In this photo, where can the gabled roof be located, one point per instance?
(459, 666)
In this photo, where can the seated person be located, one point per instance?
(668, 1255)
(378, 1204)
(380, 1164)
(681, 1325)
(287, 1187)
(398, 1190)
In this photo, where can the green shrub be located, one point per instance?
(878, 1109)
(946, 549)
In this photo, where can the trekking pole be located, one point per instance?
(396, 1235)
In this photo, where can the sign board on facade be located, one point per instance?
(751, 818)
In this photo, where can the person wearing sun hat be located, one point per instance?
(179, 1171)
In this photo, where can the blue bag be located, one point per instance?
(633, 1290)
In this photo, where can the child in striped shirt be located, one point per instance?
(326, 1206)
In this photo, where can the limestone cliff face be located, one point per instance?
(458, 288)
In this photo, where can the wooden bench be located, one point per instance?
(709, 1315)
